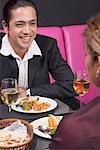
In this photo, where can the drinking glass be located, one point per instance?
(81, 84)
(9, 91)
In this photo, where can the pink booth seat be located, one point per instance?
(74, 45)
(1, 31)
(56, 33)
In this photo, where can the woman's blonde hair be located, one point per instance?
(92, 36)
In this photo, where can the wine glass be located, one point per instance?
(81, 84)
(9, 91)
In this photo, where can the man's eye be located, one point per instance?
(33, 23)
(19, 25)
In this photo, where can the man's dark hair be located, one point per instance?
(13, 5)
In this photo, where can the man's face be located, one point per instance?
(22, 28)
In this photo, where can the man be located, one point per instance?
(29, 57)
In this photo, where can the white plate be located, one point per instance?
(53, 105)
(42, 121)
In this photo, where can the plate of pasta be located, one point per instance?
(34, 104)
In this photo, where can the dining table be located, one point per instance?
(62, 109)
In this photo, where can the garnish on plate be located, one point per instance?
(35, 103)
(53, 122)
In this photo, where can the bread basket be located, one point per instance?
(23, 146)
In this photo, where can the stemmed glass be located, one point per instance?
(81, 84)
(9, 91)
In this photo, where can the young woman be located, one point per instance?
(81, 130)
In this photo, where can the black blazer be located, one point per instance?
(39, 69)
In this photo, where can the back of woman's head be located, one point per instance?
(92, 36)
(92, 43)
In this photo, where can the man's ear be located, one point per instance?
(5, 26)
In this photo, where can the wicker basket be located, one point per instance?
(25, 145)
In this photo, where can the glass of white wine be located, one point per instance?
(9, 91)
(81, 84)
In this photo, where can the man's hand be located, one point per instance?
(22, 93)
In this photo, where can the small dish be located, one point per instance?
(41, 122)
